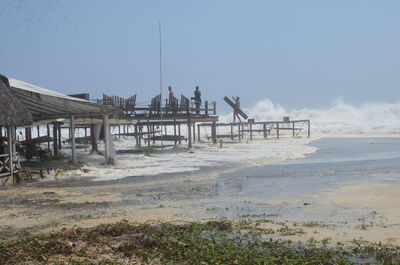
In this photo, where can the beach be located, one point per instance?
(322, 189)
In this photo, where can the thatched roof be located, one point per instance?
(12, 112)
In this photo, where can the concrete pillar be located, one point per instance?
(73, 147)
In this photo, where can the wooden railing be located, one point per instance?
(5, 165)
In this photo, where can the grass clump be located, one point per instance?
(214, 242)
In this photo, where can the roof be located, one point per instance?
(12, 111)
(47, 104)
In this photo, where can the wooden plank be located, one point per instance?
(233, 105)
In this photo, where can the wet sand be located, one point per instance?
(347, 190)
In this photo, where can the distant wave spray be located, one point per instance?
(341, 118)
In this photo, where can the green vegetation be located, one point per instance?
(147, 151)
(214, 242)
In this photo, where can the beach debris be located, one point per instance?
(68, 232)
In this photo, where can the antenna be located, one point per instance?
(161, 97)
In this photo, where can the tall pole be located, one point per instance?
(161, 97)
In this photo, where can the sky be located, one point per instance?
(299, 54)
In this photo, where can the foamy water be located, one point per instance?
(339, 119)
(202, 157)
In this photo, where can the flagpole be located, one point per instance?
(161, 96)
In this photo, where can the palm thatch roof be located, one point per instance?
(12, 112)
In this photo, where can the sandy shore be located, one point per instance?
(368, 213)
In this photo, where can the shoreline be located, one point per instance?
(52, 205)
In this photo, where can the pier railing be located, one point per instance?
(239, 130)
(5, 170)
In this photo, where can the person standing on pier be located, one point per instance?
(171, 98)
(236, 109)
(197, 99)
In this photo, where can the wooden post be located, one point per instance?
(59, 135)
(251, 132)
(179, 132)
(265, 130)
(214, 132)
(277, 130)
(135, 131)
(72, 133)
(55, 141)
(175, 141)
(38, 131)
(27, 134)
(154, 133)
(48, 134)
(10, 150)
(293, 129)
(189, 133)
(106, 126)
(231, 132)
(119, 131)
(194, 131)
(242, 130)
(239, 132)
(1, 131)
(308, 129)
(93, 138)
(85, 133)
(198, 132)
(206, 107)
(148, 133)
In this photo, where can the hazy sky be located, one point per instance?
(299, 54)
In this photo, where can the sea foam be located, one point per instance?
(341, 118)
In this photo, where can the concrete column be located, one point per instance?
(73, 147)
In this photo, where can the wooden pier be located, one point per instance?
(249, 129)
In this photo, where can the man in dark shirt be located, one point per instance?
(236, 109)
(197, 99)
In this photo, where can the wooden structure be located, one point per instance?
(52, 108)
(12, 113)
(162, 120)
(250, 129)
